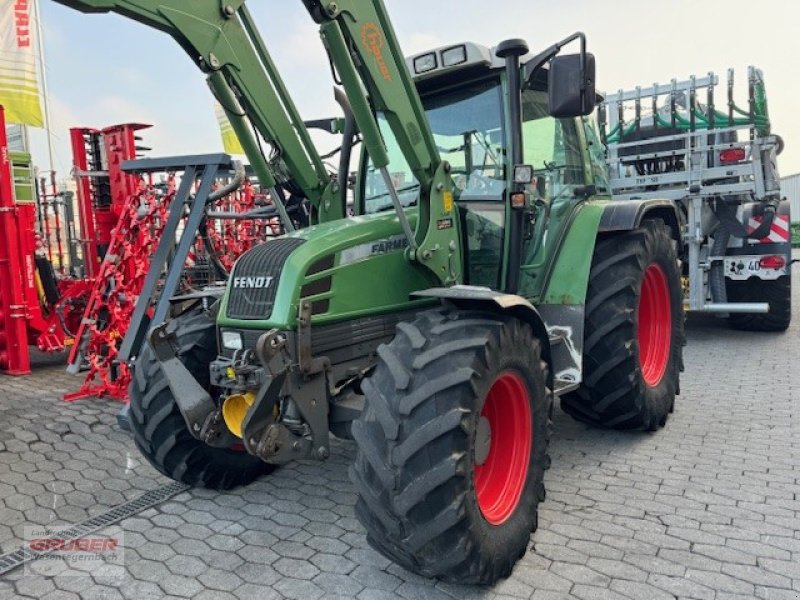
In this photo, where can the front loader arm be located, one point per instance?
(222, 40)
(364, 49)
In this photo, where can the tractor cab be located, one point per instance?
(465, 95)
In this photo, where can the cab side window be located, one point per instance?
(552, 146)
(597, 154)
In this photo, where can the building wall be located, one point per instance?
(790, 188)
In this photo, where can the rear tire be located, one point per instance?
(436, 493)
(158, 427)
(777, 293)
(632, 354)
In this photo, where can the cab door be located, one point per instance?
(554, 148)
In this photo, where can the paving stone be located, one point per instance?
(217, 579)
(298, 589)
(616, 569)
(416, 591)
(331, 563)
(720, 581)
(680, 587)
(757, 575)
(374, 578)
(339, 584)
(724, 554)
(545, 580)
(181, 586)
(638, 590)
(588, 592)
(690, 560)
(214, 595)
(655, 564)
(771, 593)
(581, 574)
(561, 554)
(250, 591)
(186, 565)
(548, 595)
(295, 568)
(34, 587)
(374, 594)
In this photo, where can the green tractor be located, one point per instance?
(484, 272)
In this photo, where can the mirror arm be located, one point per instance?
(535, 63)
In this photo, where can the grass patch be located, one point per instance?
(795, 235)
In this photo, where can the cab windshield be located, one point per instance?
(467, 129)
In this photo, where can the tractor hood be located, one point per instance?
(346, 268)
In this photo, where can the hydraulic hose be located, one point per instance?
(730, 221)
(716, 276)
(348, 136)
(230, 187)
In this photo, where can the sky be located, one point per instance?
(106, 69)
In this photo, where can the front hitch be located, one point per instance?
(202, 417)
(256, 417)
(265, 437)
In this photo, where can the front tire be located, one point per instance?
(452, 445)
(158, 428)
(633, 335)
(777, 293)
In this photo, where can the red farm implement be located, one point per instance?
(73, 266)
(40, 298)
(230, 223)
(52, 243)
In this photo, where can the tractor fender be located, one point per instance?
(624, 215)
(471, 297)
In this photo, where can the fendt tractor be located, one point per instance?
(484, 272)
(718, 161)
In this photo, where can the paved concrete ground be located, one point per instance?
(707, 508)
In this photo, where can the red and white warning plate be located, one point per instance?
(779, 231)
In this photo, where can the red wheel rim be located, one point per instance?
(499, 481)
(654, 331)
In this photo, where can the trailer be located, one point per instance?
(717, 161)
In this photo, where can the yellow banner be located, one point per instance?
(230, 142)
(19, 82)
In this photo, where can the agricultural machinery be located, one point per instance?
(717, 160)
(77, 262)
(484, 272)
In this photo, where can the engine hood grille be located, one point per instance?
(254, 281)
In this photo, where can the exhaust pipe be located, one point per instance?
(234, 409)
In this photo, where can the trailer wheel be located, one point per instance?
(158, 427)
(452, 445)
(777, 293)
(633, 346)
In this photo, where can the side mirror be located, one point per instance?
(571, 86)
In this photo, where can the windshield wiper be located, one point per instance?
(401, 190)
(483, 141)
(407, 188)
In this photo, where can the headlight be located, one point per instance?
(232, 340)
(454, 56)
(425, 63)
